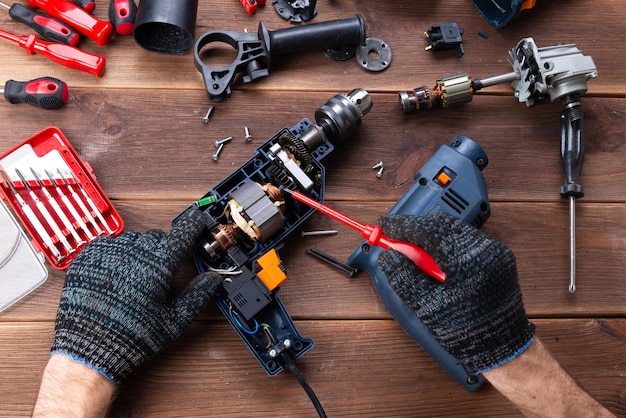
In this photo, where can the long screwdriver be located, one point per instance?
(43, 92)
(86, 24)
(47, 27)
(66, 55)
(375, 236)
(32, 218)
(572, 158)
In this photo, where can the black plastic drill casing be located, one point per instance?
(451, 181)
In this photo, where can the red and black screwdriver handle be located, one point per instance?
(47, 27)
(122, 14)
(44, 92)
(86, 24)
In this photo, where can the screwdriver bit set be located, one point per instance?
(56, 197)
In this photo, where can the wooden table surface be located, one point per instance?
(140, 127)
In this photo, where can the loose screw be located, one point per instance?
(209, 112)
(379, 174)
(248, 136)
(222, 141)
(216, 156)
(377, 166)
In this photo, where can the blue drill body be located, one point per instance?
(451, 181)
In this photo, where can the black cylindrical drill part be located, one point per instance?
(335, 34)
(572, 148)
(166, 26)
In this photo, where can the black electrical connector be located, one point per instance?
(445, 36)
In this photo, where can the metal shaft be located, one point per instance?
(572, 244)
(497, 79)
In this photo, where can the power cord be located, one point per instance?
(291, 365)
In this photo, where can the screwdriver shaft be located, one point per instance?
(572, 244)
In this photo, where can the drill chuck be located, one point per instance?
(343, 114)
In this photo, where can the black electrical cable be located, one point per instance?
(291, 365)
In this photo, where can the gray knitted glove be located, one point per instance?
(115, 311)
(477, 314)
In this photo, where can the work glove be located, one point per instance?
(116, 311)
(477, 314)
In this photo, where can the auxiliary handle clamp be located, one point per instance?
(340, 40)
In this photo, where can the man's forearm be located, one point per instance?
(71, 389)
(539, 387)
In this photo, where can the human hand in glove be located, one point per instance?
(116, 310)
(477, 314)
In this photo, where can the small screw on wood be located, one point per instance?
(223, 141)
(248, 136)
(216, 156)
(379, 174)
(209, 112)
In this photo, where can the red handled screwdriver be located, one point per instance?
(44, 92)
(374, 236)
(47, 27)
(88, 5)
(122, 15)
(86, 24)
(65, 55)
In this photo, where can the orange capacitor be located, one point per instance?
(271, 273)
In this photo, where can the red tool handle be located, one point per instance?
(47, 27)
(122, 14)
(374, 236)
(66, 55)
(93, 28)
(43, 92)
(88, 5)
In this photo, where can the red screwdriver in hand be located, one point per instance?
(374, 236)
(47, 27)
(44, 92)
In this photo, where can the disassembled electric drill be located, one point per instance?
(559, 71)
(248, 219)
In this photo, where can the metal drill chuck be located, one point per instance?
(339, 118)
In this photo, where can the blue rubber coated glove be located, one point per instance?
(477, 314)
(116, 310)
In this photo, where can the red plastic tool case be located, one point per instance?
(67, 180)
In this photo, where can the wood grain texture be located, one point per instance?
(140, 127)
